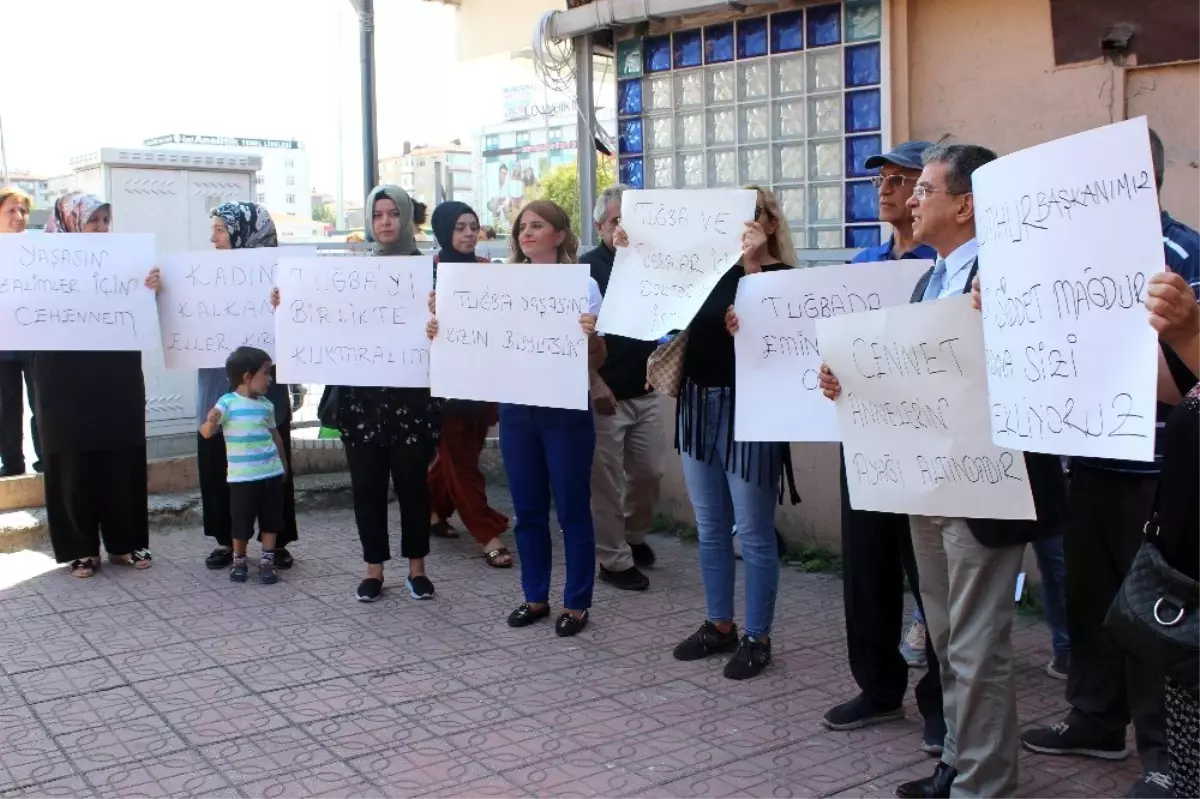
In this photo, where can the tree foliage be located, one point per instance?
(561, 185)
(322, 213)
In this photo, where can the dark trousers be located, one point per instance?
(1108, 686)
(455, 481)
(12, 417)
(877, 553)
(548, 454)
(407, 465)
(214, 490)
(93, 497)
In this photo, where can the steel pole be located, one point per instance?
(585, 143)
(366, 28)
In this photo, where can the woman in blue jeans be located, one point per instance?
(732, 482)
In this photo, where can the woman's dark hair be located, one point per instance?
(420, 213)
(244, 361)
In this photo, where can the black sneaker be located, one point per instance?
(752, 656)
(1152, 785)
(708, 640)
(219, 558)
(370, 590)
(283, 558)
(643, 555)
(859, 712)
(1067, 739)
(421, 587)
(630, 579)
(238, 573)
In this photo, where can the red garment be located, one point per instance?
(455, 482)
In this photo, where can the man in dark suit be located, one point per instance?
(968, 567)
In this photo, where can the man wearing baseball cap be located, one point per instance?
(877, 549)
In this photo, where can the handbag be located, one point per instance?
(1155, 612)
(327, 408)
(664, 367)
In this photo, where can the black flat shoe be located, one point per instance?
(219, 558)
(370, 590)
(527, 615)
(569, 625)
(283, 558)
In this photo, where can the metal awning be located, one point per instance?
(601, 14)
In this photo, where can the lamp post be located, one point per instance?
(366, 47)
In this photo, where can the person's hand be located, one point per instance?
(1171, 302)
(433, 303)
(587, 323)
(620, 237)
(154, 280)
(976, 295)
(731, 320)
(214, 417)
(275, 298)
(753, 238)
(603, 400)
(431, 328)
(830, 386)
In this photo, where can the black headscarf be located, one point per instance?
(445, 217)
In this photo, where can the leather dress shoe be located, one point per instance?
(935, 787)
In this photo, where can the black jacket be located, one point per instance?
(1046, 481)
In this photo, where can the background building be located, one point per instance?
(35, 186)
(432, 173)
(282, 183)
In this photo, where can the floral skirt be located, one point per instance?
(1183, 733)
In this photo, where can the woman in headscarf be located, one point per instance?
(455, 482)
(91, 409)
(237, 226)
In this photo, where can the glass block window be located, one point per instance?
(791, 100)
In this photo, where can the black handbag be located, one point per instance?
(1154, 614)
(327, 408)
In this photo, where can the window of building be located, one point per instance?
(289, 163)
(559, 134)
(522, 138)
(491, 143)
(791, 100)
(262, 198)
(290, 199)
(260, 179)
(291, 180)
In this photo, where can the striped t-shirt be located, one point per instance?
(249, 446)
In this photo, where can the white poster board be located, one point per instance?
(353, 321)
(510, 333)
(681, 242)
(1069, 233)
(77, 291)
(914, 414)
(776, 347)
(210, 302)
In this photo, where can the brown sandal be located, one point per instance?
(84, 568)
(138, 559)
(493, 558)
(443, 529)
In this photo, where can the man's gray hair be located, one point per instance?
(1158, 154)
(961, 161)
(611, 194)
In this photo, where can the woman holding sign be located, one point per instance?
(548, 451)
(91, 409)
(236, 226)
(732, 482)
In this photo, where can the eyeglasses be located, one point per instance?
(893, 181)
(922, 191)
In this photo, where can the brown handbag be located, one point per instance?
(664, 367)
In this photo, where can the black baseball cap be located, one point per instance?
(907, 154)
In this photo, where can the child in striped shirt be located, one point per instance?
(252, 445)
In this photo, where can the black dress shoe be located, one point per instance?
(935, 787)
(643, 555)
(630, 579)
(569, 625)
(219, 558)
(527, 615)
(283, 558)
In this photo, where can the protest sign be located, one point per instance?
(681, 242)
(511, 333)
(776, 348)
(210, 302)
(77, 291)
(1069, 233)
(913, 414)
(353, 321)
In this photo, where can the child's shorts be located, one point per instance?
(260, 500)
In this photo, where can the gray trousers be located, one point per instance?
(626, 471)
(967, 591)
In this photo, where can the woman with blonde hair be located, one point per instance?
(732, 482)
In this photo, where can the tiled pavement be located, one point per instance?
(174, 682)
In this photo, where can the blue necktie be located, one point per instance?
(937, 281)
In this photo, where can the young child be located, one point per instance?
(252, 446)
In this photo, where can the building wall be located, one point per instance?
(489, 27)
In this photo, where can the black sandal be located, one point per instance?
(493, 558)
(569, 625)
(527, 614)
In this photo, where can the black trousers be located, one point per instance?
(1108, 686)
(407, 465)
(214, 490)
(12, 417)
(93, 497)
(877, 553)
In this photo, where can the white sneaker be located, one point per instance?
(737, 544)
(913, 647)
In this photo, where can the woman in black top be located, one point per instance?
(1176, 317)
(732, 482)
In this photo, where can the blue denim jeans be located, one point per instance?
(1053, 567)
(722, 497)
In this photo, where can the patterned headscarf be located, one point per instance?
(406, 242)
(73, 211)
(249, 225)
